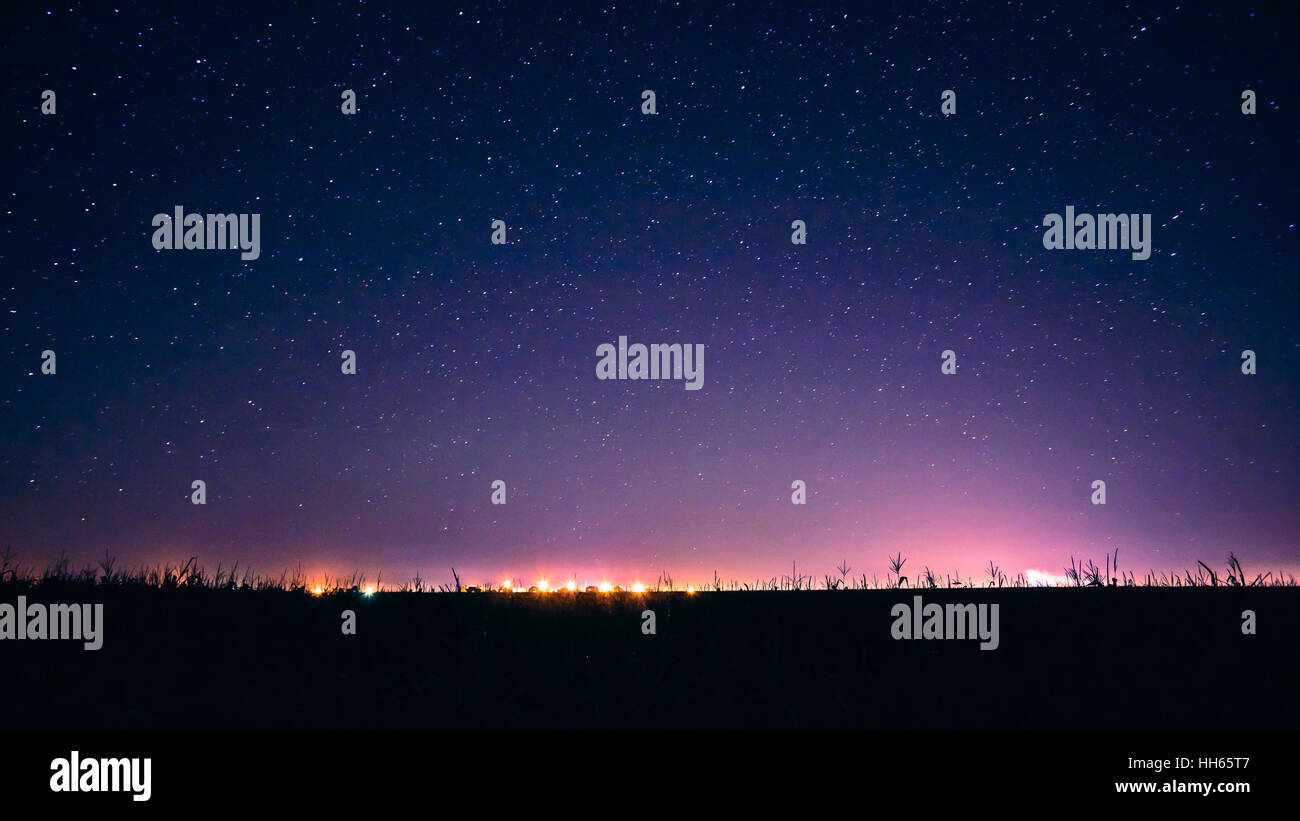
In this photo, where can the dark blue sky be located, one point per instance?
(477, 362)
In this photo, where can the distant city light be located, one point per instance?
(545, 586)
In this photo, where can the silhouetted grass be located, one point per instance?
(192, 575)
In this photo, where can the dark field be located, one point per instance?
(1069, 658)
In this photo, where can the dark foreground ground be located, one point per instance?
(1125, 658)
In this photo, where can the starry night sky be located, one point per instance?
(477, 362)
